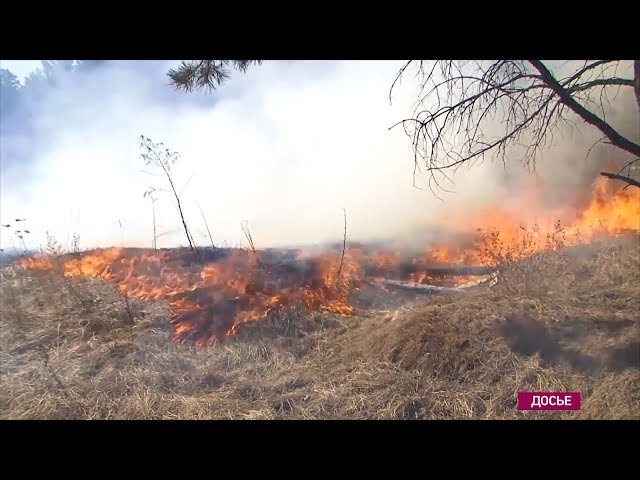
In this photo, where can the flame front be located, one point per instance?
(610, 211)
(211, 301)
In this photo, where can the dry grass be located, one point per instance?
(77, 350)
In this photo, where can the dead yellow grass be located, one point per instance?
(76, 350)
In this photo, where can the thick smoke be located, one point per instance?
(285, 146)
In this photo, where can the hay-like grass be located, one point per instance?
(74, 350)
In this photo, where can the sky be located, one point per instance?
(21, 68)
(284, 147)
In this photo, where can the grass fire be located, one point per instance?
(445, 312)
(210, 299)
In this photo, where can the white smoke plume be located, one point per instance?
(285, 146)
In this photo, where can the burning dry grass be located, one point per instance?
(76, 348)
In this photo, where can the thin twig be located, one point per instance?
(344, 244)
(155, 231)
(132, 320)
(207, 226)
(128, 308)
(247, 234)
(155, 155)
(45, 360)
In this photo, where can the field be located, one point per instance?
(567, 320)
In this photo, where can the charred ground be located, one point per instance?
(560, 320)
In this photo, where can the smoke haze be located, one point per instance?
(285, 147)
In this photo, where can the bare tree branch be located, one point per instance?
(615, 176)
(589, 117)
(588, 66)
(602, 82)
(398, 77)
(469, 111)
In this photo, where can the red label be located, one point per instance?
(548, 400)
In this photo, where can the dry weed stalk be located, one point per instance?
(247, 233)
(529, 266)
(157, 155)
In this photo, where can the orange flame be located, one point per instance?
(211, 301)
(611, 211)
